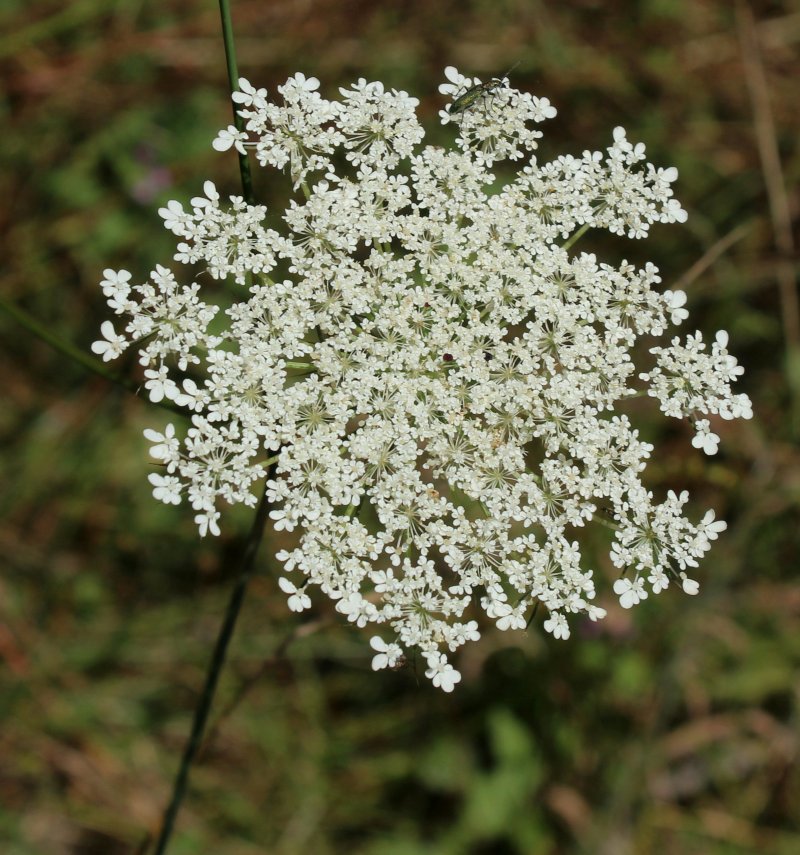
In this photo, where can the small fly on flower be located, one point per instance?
(478, 92)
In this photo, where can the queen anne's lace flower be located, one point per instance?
(438, 376)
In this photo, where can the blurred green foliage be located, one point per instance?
(671, 730)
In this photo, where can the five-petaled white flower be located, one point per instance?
(387, 655)
(630, 592)
(298, 600)
(111, 345)
(441, 672)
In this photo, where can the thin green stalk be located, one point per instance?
(576, 237)
(215, 668)
(77, 355)
(233, 81)
(252, 544)
(533, 615)
(300, 630)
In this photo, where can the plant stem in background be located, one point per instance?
(778, 199)
(253, 540)
(215, 668)
(69, 350)
(233, 80)
(77, 355)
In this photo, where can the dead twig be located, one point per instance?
(711, 255)
(778, 199)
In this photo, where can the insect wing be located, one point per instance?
(467, 99)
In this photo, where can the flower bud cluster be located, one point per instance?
(438, 376)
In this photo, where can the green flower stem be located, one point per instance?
(576, 237)
(215, 668)
(252, 544)
(607, 523)
(69, 350)
(233, 80)
(77, 355)
(300, 630)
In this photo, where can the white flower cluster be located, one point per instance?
(687, 380)
(437, 376)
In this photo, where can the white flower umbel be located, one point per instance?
(438, 373)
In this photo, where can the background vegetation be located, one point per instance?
(671, 729)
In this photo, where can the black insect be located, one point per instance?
(478, 92)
